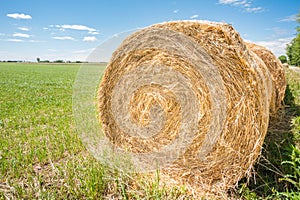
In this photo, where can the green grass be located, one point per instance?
(35, 114)
(42, 157)
(277, 173)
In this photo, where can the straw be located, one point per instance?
(188, 97)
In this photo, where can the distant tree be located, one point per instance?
(283, 59)
(293, 51)
(59, 61)
(293, 48)
(38, 59)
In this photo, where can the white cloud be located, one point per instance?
(75, 27)
(19, 16)
(94, 33)
(227, 1)
(243, 3)
(23, 28)
(23, 35)
(175, 11)
(89, 39)
(278, 32)
(290, 18)
(194, 16)
(14, 40)
(254, 9)
(35, 41)
(63, 38)
(277, 46)
(246, 5)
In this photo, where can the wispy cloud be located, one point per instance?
(94, 33)
(277, 46)
(194, 16)
(254, 9)
(289, 18)
(14, 40)
(19, 16)
(23, 35)
(35, 41)
(246, 5)
(23, 28)
(227, 1)
(63, 38)
(76, 27)
(235, 2)
(278, 32)
(89, 39)
(175, 11)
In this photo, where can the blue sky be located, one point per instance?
(72, 29)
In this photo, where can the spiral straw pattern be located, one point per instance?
(190, 98)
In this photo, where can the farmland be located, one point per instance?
(41, 155)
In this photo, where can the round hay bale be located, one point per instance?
(187, 97)
(277, 73)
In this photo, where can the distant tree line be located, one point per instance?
(42, 61)
(12, 61)
(293, 48)
(58, 61)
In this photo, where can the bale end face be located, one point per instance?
(190, 98)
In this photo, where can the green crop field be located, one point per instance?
(42, 157)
